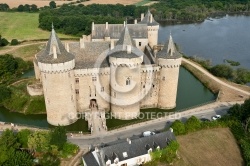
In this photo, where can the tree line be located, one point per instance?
(29, 148)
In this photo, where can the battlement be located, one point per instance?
(92, 71)
(169, 63)
(132, 62)
(57, 67)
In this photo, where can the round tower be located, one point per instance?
(169, 60)
(56, 66)
(125, 65)
(153, 28)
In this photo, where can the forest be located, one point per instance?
(76, 19)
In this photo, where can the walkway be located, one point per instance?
(206, 111)
(204, 71)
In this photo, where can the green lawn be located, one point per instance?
(22, 26)
(143, 2)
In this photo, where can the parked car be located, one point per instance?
(216, 117)
(148, 133)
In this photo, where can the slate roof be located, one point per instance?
(169, 50)
(90, 159)
(138, 31)
(46, 55)
(94, 53)
(137, 147)
(146, 20)
(125, 38)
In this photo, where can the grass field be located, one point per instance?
(212, 147)
(22, 26)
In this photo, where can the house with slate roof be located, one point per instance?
(128, 152)
(116, 68)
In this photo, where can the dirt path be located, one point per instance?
(13, 48)
(205, 72)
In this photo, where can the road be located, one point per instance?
(136, 131)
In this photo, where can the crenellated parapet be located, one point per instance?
(57, 67)
(169, 63)
(125, 62)
(92, 72)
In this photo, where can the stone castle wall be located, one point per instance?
(153, 35)
(125, 97)
(60, 99)
(169, 75)
(92, 84)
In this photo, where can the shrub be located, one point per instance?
(178, 127)
(14, 42)
(69, 149)
(192, 124)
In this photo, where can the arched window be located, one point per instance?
(128, 81)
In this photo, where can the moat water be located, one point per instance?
(191, 92)
(219, 39)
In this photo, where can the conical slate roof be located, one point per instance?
(120, 50)
(125, 38)
(46, 55)
(169, 50)
(146, 20)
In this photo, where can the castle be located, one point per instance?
(116, 68)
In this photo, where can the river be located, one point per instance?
(215, 39)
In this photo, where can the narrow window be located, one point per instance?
(128, 81)
(114, 94)
(139, 43)
(77, 80)
(163, 78)
(102, 89)
(45, 76)
(153, 85)
(77, 91)
(93, 79)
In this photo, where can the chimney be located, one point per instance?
(93, 26)
(142, 16)
(151, 18)
(54, 52)
(129, 49)
(107, 25)
(82, 43)
(67, 47)
(129, 140)
(112, 44)
(135, 21)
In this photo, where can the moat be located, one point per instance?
(214, 39)
(191, 92)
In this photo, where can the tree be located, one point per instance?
(178, 127)
(14, 42)
(242, 76)
(33, 8)
(222, 70)
(5, 93)
(49, 159)
(192, 124)
(22, 137)
(3, 42)
(20, 8)
(52, 4)
(39, 141)
(58, 137)
(19, 158)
